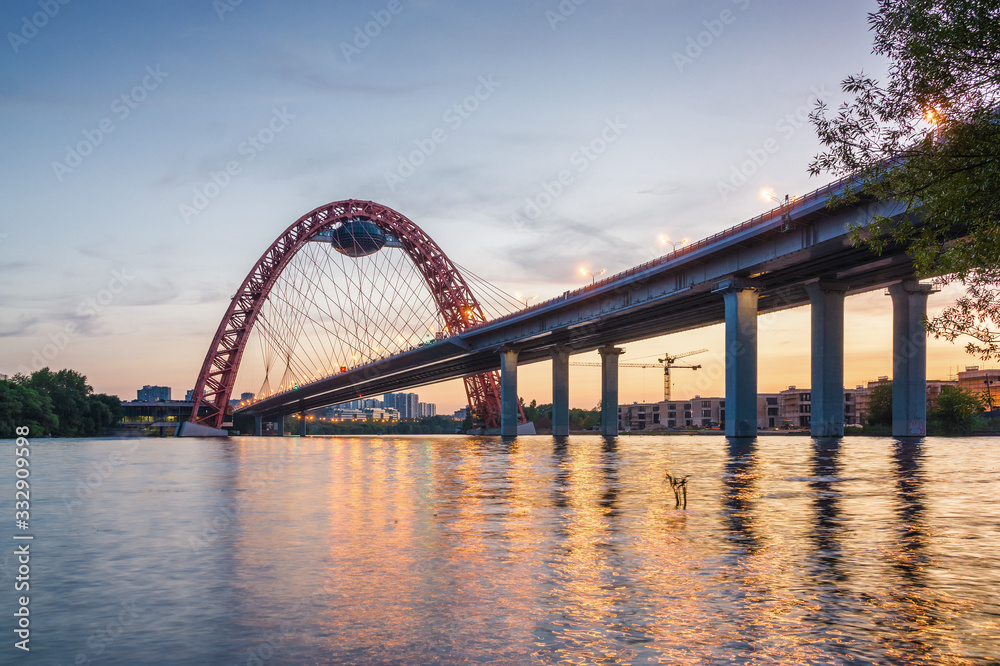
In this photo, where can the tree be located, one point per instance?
(956, 410)
(930, 138)
(76, 411)
(880, 405)
(24, 406)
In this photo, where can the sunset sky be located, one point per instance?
(117, 116)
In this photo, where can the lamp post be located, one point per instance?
(524, 299)
(673, 244)
(989, 391)
(593, 276)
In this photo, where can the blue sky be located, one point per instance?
(162, 96)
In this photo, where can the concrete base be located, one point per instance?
(827, 314)
(741, 359)
(560, 391)
(522, 429)
(189, 429)
(909, 359)
(609, 389)
(508, 392)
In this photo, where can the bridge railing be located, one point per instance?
(776, 212)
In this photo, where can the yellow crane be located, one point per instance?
(666, 363)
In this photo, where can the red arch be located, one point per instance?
(454, 299)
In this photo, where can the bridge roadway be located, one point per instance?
(775, 254)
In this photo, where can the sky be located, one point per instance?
(151, 151)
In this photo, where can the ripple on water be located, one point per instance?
(455, 549)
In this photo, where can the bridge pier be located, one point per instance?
(909, 358)
(258, 426)
(827, 313)
(609, 389)
(741, 357)
(560, 391)
(302, 424)
(508, 392)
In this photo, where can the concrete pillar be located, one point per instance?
(258, 426)
(741, 358)
(609, 390)
(560, 391)
(302, 424)
(909, 359)
(508, 392)
(281, 425)
(827, 306)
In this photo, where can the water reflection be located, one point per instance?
(739, 491)
(828, 526)
(455, 549)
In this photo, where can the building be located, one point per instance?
(380, 414)
(153, 394)
(768, 411)
(459, 414)
(984, 383)
(792, 408)
(697, 412)
(638, 416)
(339, 413)
(427, 409)
(407, 404)
(138, 415)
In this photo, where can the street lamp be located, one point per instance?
(524, 299)
(673, 244)
(989, 391)
(593, 276)
(785, 205)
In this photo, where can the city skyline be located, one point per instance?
(155, 152)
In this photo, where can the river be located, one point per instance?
(454, 549)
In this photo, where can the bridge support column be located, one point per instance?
(560, 391)
(609, 390)
(827, 312)
(909, 359)
(741, 358)
(508, 392)
(302, 424)
(258, 426)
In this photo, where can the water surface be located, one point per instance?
(452, 549)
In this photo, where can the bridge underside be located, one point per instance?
(665, 296)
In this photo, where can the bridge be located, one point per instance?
(798, 253)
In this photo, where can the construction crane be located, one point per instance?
(666, 363)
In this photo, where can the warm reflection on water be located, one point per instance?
(455, 549)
